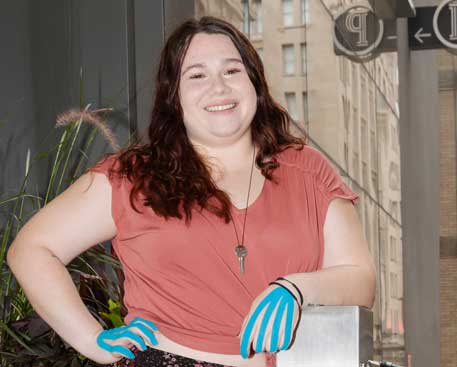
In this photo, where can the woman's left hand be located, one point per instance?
(271, 321)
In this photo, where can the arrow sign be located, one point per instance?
(419, 35)
(420, 29)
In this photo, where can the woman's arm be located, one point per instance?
(348, 275)
(76, 220)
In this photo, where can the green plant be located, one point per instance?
(25, 339)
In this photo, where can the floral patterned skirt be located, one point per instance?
(157, 358)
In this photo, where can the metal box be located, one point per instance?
(331, 336)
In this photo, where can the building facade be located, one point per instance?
(447, 64)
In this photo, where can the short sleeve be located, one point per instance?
(118, 194)
(329, 181)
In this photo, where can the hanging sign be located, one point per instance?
(360, 35)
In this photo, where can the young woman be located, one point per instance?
(224, 223)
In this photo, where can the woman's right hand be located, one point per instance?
(114, 344)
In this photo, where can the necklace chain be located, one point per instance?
(246, 209)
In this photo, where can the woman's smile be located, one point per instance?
(222, 109)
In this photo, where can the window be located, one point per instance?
(291, 102)
(344, 70)
(394, 176)
(304, 12)
(287, 13)
(257, 23)
(394, 210)
(391, 209)
(393, 285)
(355, 166)
(372, 104)
(395, 322)
(341, 64)
(364, 95)
(393, 249)
(288, 59)
(305, 106)
(355, 86)
(365, 175)
(303, 58)
(246, 17)
(346, 112)
(364, 139)
(355, 130)
(394, 138)
(373, 149)
(374, 181)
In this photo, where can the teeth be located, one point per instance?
(221, 108)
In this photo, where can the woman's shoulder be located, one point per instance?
(111, 163)
(317, 166)
(304, 158)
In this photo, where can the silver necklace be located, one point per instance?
(240, 250)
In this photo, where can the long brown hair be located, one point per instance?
(168, 171)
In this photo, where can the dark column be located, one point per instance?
(419, 144)
(149, 35)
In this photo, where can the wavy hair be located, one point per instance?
(168, 171)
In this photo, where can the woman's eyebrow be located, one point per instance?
(202, 65)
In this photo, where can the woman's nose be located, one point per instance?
(220, 84)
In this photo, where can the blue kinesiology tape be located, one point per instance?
(124, 332)
(278, 298)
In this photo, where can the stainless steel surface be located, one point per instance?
(331, 336)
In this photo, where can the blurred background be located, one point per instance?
(370, 83)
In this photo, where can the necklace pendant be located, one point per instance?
(241, 253)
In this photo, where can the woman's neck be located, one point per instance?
(228, 159)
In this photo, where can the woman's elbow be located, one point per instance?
(369, 285)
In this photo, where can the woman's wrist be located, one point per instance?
(91, 349)
(294, 286)
(289, 283)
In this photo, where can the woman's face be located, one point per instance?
(217, 97)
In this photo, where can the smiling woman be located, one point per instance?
(218, 98)
(205, 284)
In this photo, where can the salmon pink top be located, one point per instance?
(186, 279)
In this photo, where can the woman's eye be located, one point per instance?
(233, 70)
(200, 75)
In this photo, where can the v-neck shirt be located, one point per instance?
(186, 279)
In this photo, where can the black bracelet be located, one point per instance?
(288, 290)
(296, 288)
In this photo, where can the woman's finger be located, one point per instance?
(136, 339)
(144, 321)
(116, 335)
(256, 328)
(288, 324)
(122, 351)
(247, 333)
(276, 327)
(146, 334)
(259, 342)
